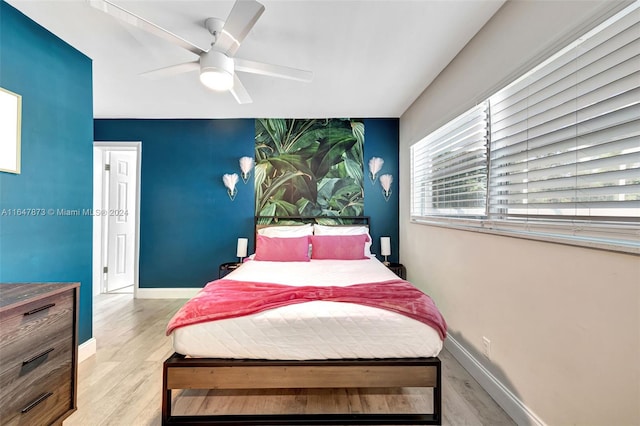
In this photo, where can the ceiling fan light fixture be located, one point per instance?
(218, 64)
(216, 71)
(219, 80)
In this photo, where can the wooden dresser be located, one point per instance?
(38, 352)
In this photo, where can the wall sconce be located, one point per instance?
(241, 250)
(375, 165)
(385, 181)
(385, 248)
(230, 182)
(246, 164)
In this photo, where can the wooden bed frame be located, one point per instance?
(180, 372)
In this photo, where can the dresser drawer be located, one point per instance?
(34, 327)
(42, 404)
(36, 367)
(38, 351)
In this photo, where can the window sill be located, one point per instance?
(621, 238)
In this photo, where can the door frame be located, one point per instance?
(99, 221)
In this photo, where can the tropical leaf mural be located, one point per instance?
(309, 167)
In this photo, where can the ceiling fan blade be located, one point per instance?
(241, 19)
(239, 92)
(137, 21)
(245, 65)
(172, 70)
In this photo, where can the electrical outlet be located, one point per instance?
(486, 347)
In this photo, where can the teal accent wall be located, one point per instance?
(188, 224)
(381, 140)
(54, 80)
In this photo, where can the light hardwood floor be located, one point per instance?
(121, 384)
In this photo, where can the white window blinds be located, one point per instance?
(565, 138)
(449, 168)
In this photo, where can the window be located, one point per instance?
(449, 168)
(557, 152)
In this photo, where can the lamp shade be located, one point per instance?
(246, 164)
(375, 165)
(242, 247)
(216, 70)
(385, 246)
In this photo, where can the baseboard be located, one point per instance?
(509, 402)
(86, 349)
(166, 293)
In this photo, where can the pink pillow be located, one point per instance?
(282, 249)
(343, 247)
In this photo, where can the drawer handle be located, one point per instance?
(33, 358)
(41, 308)
(37, 401)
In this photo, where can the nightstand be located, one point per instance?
(398, 269)
(225, 268)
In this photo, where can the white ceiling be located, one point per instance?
(370, 58)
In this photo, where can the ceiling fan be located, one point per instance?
(217, 65)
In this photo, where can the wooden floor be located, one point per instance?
(121, 384)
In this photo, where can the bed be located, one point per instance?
(330, 341)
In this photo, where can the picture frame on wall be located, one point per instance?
(10, 126)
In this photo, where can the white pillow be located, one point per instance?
(346, 230)
(286, 231)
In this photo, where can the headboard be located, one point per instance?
(264, 221)
(261, 221)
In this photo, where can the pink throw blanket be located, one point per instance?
(222, 299)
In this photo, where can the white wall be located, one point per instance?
(564, 321)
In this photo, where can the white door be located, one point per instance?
(121, 219)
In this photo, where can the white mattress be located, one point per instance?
(312, 330)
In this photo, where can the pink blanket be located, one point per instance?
(223, 299)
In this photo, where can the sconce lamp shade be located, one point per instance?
(385, 246)
(230, 181)
(242, 247)
(246, 164)
(375, 165)
(385, 182)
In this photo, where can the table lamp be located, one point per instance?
(385, 248)
(241, 251)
